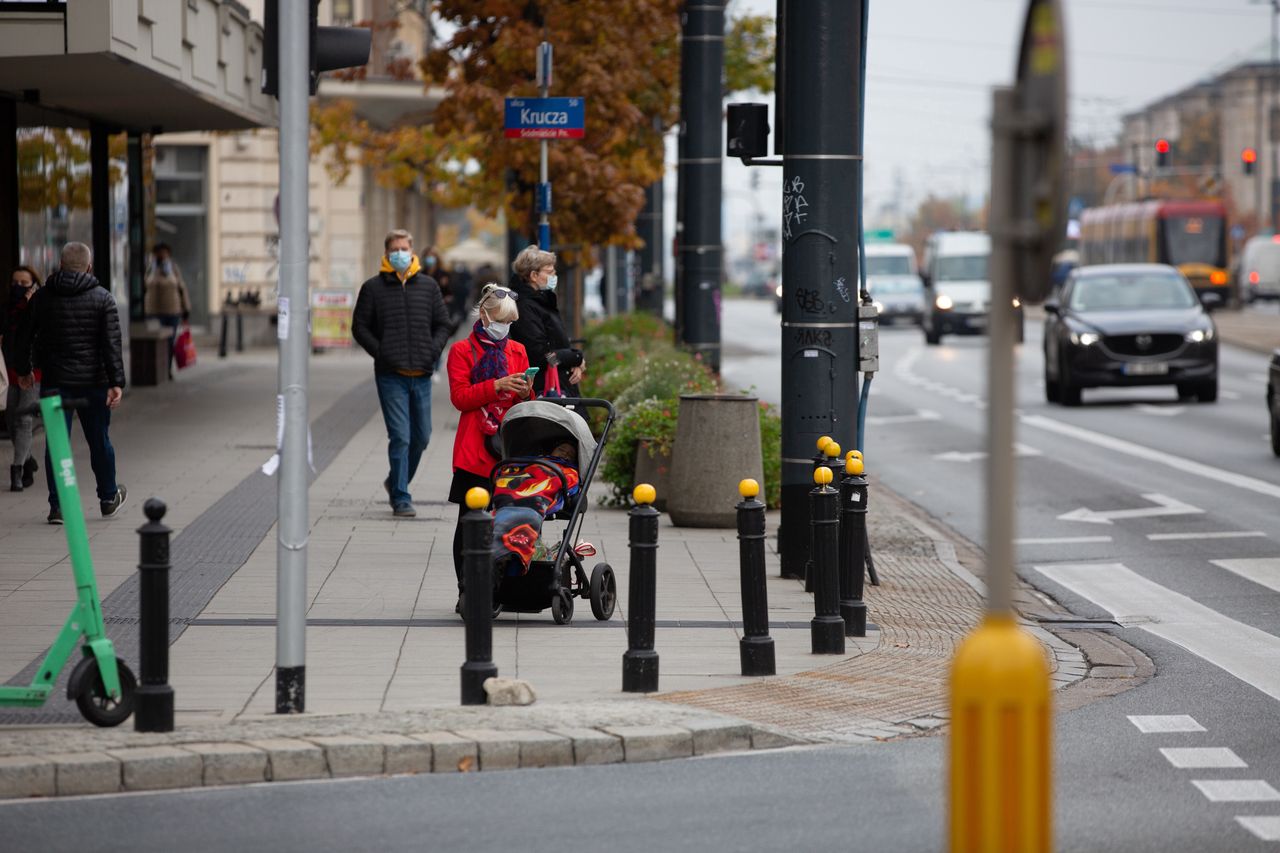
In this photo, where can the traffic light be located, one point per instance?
(1248, 157)
(331, 47)
(1162, 153)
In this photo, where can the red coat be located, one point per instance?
(468, 444)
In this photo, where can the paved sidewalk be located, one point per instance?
(384, 646)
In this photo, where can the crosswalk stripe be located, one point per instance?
(1218, 534)
(1201, 757)
(1243, 651)
(1165, 723)
(1237, 790)
(1263, 571)
(1265, 827)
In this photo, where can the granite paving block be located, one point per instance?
(653, 743)
(450, 753)
(27, 776)
(710, 735)
(86, 773)
(403, 753)
(499, 750)
(290, 759)
(592, 746)
(230, 763)
(348, 755)
(544, 749)
(152, 768)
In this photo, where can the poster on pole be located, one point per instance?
(331, 318)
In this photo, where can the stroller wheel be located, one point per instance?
(604, 592)
(562, 607)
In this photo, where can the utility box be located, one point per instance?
(748, 126)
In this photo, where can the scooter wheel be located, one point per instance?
(93, 701)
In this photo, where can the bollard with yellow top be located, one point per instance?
(853, 546)
(756, 646)
(640, 661)
(828, 457)
(826, 630)
(868, 558)
(477, 597)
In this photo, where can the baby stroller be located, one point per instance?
(555, 574)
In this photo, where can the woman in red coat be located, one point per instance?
(486, 377)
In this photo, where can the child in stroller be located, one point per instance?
(526, 491)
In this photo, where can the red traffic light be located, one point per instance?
(1249, 155)
(1162, 146)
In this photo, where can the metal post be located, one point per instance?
(649, 227)
(291, 539)
(222, 336)
(853, 548)
(544, 187)
(826, 631)
(640, 661)
(100, 202)
(756, 646)
(701, 268)
(477, 608)
(10, 233)
(154, 709)
(137, 227)
(819, 247)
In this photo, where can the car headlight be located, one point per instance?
(1085, 339)
(1017, 303)
(778, 291)
(879, 306)
(943, 302)
(1197, 336)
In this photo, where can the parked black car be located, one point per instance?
(1127, 325)
(1273, 400)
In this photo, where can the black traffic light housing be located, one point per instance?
(1162, 153)
(1248, 157)
(331, 47)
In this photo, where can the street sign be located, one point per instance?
(545, 118)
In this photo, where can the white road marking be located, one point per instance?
(1164, 506)
(1208, 472)
(1264, 571)
(1243, 651)
(1264, 827)
(1063, 540)
(1198, 757)
(920, 415)
(1227, 394)
(1220, 534)
(1163, 411)
(1019, 449)
(1165, 723)
(1237, 790)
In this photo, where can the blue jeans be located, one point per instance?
(95, 420)
(406, 408)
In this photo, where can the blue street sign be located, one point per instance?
(545, 118)
(1123, 169)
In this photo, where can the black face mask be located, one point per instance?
(17, 292)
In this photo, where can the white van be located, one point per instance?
(957, 284)
(1259, 272)
(894, 282)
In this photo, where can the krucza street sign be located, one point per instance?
(545, 118)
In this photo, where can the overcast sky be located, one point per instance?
(932, 63)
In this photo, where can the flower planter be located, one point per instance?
(653, 469)
(717, 445)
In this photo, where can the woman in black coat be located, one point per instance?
(540, 328)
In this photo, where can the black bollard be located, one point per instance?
(828, 456)
(827, 628)
(853, 547)
(239, 331)
(871, 563)
(756, 646)
(222, 337)
(153, 711)
(477, 606)
(640, 661)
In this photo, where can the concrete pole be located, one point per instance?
(701, 268)
(819, 248)
(293, 333)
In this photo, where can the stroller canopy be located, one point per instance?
(531, 428)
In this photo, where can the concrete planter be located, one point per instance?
(654, 470)
(717, 445)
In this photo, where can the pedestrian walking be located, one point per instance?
(401, 320)
(540, 328)
(73, 334)
(19, 417)
(166, 297)
(486, 378)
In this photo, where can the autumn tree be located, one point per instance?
(936, 213)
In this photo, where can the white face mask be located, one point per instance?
(551, 282)
(497, 330)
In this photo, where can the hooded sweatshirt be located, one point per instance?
(73, 334)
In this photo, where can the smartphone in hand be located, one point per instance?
(530, 373)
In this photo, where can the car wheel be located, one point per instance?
(1275, 433)
(1207, 392)
(932, 336)
(1052, 392)
(1186, 390)
(1068, 393)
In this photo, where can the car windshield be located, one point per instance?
(962, 268)
(895, 285)
(1194, 240)
(1141, 292)
(888, 265)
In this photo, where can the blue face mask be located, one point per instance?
(430, 262)
(400, 260)
(552, 280)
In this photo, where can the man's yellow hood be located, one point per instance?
(414, 268)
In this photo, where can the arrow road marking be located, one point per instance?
(974, 455)
(1164, 506)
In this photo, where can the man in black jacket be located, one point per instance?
(74, 336)
(401, 320)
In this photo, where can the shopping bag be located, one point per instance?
(551, 388)
(184, 348)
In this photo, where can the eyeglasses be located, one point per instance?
(495, 291)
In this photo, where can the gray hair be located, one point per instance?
(530, 260)
(500, 308)
(396, 234)
(76, 257)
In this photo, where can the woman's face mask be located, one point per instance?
(400, 259)
(429, 262)
(552, 280)
(497, 330)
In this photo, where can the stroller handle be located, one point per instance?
(584, 402)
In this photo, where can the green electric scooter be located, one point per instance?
(102, 686)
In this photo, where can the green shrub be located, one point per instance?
(771, 450)
(654, 419)
(631, 326)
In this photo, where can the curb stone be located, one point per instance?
(26, 776)
(230, 763)
(450, 753)
(653, 743)
(403, 754)
(289, 759)
(152, 768)
(592, 746)
(86, 773)
(348, 755)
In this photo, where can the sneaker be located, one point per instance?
(404, 510)
(55, 515)
(112, 507)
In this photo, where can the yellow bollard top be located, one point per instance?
(477, 498)
(852, 464)
(832, 450)
(644, 494)
(857, 453)
(748, 488)
(822, 476)
(823, 442)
